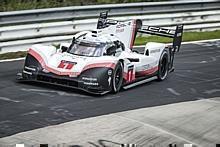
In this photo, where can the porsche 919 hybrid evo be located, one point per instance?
(103, 60)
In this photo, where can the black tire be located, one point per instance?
(117, 78)
(163, 66)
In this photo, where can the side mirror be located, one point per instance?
(73, 40)
(111, 50)
(64, 48)
(117, 44)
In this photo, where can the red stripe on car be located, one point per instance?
(133, 34)
(95, 65)
(43, 64)
(148, 71)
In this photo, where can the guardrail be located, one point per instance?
(20, 29)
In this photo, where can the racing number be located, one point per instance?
(66, 65)
(130, 75)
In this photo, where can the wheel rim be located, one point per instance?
(163, 67)
(118, 78)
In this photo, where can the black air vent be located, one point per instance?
(94, 32)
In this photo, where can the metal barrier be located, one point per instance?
(20, 29)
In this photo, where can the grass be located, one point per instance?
(187, 36)
(13, 55)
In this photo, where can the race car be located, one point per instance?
(103, 60)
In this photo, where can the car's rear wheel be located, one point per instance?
(163, 66)
(117, 78)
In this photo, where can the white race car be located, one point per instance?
(103, 60)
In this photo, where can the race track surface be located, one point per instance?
(29, 106)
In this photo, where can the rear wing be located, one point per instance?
(175, 34)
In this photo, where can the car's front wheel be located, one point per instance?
(163, 66)
(117, 78)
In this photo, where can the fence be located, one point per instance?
(20, 29)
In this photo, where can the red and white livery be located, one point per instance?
(104, 60)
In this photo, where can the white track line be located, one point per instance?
(157, 128)
(173, 91)
(9, 100)
(8, 60)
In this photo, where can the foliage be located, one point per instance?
(13, 5)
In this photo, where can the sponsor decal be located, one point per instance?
(120, 26)
(109, 80)
(120, 30)
(160, 30)
(90, 81)
(155, 51)
(66, 64)
(74, 74)
(149, 66)
(109, 72)
(146, 66)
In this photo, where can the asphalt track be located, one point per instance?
(29, 106)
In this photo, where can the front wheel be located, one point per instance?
(163, 66)
(117, 78)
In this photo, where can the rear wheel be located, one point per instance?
(163, 66)
(117, 78)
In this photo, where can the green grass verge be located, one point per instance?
(13, 55)
(187, 36)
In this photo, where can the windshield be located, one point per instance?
(87, 49)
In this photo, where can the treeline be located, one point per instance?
(13, 5)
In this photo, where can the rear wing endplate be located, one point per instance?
(103, 22)
(175, 34)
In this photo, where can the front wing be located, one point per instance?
(93, 80)
(88, 84)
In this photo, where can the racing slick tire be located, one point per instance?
(163, 68)
(117, 78)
